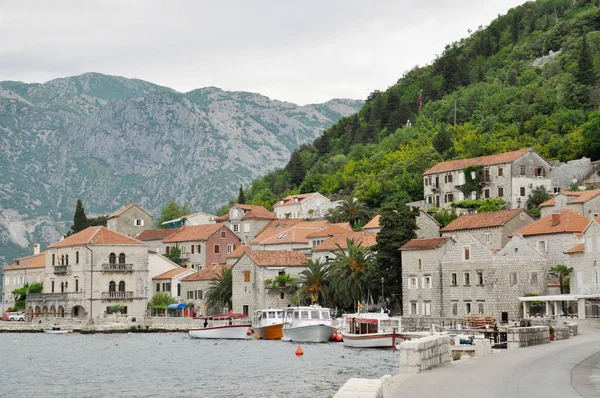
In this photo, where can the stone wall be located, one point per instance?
(528, 336)
(562, 332)
(425, 353)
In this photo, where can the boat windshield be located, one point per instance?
(304, 314)
(271, 314)
(280, 314)
(325, 314)
(314, 314)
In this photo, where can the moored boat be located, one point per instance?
(58, 331)
(268, 324)
(372, 330)
(223, 326)
(311, 324)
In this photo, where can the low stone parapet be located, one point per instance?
(361, 388)
(527, 336)
(561, 332)
(425, 353)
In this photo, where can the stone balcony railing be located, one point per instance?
(112, 267)
(62, 269)
(41, 297)
(185, 255)
(116, 295)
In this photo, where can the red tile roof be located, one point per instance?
(506, 157)
(424, 243)
(374, 223)
(28, 262)
(364, 238)
(209, 273)
(223, 218)
(96, 236)
(481, 220)
(576, 249)
(295, 233)
(289, 200)
(277, 258)
(155, 234)
(238, 252)
(124, 209)
(330, 230)
(568, 222)
(193, 233)
(172, 273)
(345, 225)
(579, 197)
(257, 213)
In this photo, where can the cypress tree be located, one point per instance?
(514, 28)
(79, 220)
(585, 72)
(241, 197)
(296, 168)
(442, 140)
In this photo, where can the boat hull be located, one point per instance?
(372, 340)
(58, 331)
(308, 334)
(271, 332)
(232, 332)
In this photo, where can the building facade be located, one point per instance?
(303, 206)
(24, 270)
(130, 220)
(247, 221)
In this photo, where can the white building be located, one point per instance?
(306, 206)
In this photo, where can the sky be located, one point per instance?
(301, 51)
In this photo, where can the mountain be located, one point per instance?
(107, 139)
(528, 79)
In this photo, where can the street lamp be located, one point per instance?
(382, 297)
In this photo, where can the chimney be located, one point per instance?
(36, 248)
(555, 219)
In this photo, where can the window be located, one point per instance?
(168, 287)
(466, 253)
(420, 264)
(246, 227)
(534, 278)
(448, 178)
(53, 259)
(192, 247)
(245, 309)
(430, 199)
(167, 248)
(52, 287)
(480, 277)
(122, 258)
(62, 260)
(500, 192)
(426, 181)
(413, 309)
(454, 281)
(487, 237)
(76, 257)
(112, 258)
(76, 285)
(500, 171)
(428, 282)
(542, 246)
(480, 308)
(427, 308)
(199, 294)
(217, 249)
(448, 198)
(224, 233)
(486, 175)
(229, 248)
(199, 249)
(522, 170)
(158, 287)
(236, 228)
(454, 308)
(512, 278)
(179, 290)
(139, 223)
(473, 195)
(468, 308)
(112, 286)
(522, 191)
(540, 172)
(246, 276)
(467, 277)
(486, 193)
(413, 283)
(282, 296)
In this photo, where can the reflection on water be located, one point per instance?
(164, 365)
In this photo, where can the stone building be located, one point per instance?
(24, 270)
(304, 206)
(492, 229)
(585, 261)
(283, 235)
(170, 282)
(91, 272)
(329, 247)
(195, 286)
(253, 276)
(154, 238)
(130, 220)
(510, 176)
(422, 291)
(157, 264)
(199, 218)
(247, 221)
(427, 226)
(202, 245)
(318, 237)
(586, 203)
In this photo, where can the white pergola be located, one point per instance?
(552, 303)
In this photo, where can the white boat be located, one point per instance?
(372, 330)
(223, 326)
(310, 324)
(268, 324)
(57, 331)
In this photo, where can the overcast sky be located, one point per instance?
(301, 51)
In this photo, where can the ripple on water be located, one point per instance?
(163, 365)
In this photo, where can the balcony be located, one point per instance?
(62, 269)
(48, 297)
(117, 295)
(186, 255)
(112, 267)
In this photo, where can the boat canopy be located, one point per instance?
(230, 314)
(362, 320)
(177, 306)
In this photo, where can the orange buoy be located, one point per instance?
(333, 336)
(299, 351)
(339, 337)
(249, 332)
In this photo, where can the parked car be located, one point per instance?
(17, 316)
(5, 316)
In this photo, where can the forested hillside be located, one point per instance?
(529, 79)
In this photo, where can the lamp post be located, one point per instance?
(382, 296)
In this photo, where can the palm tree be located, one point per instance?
(350, 210)
(562, 272)
(220, 290)
(315, 280)
(349, 272)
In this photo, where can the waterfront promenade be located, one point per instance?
(566, 368)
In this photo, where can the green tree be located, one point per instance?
(350, 210)
(562, 272)
(172, 211)
(349, 273)
(174, 255)
(161, 300)
(21, 294)
(398, 226)
(315, 282)
(241, 198)
(220, 291)
(296, 168)
(514, 28)
(537, 196)
(589, 133)
(585, 63)
(442, 140)
(444, 216)
(80, 221)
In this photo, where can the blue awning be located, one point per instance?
(177, 306)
